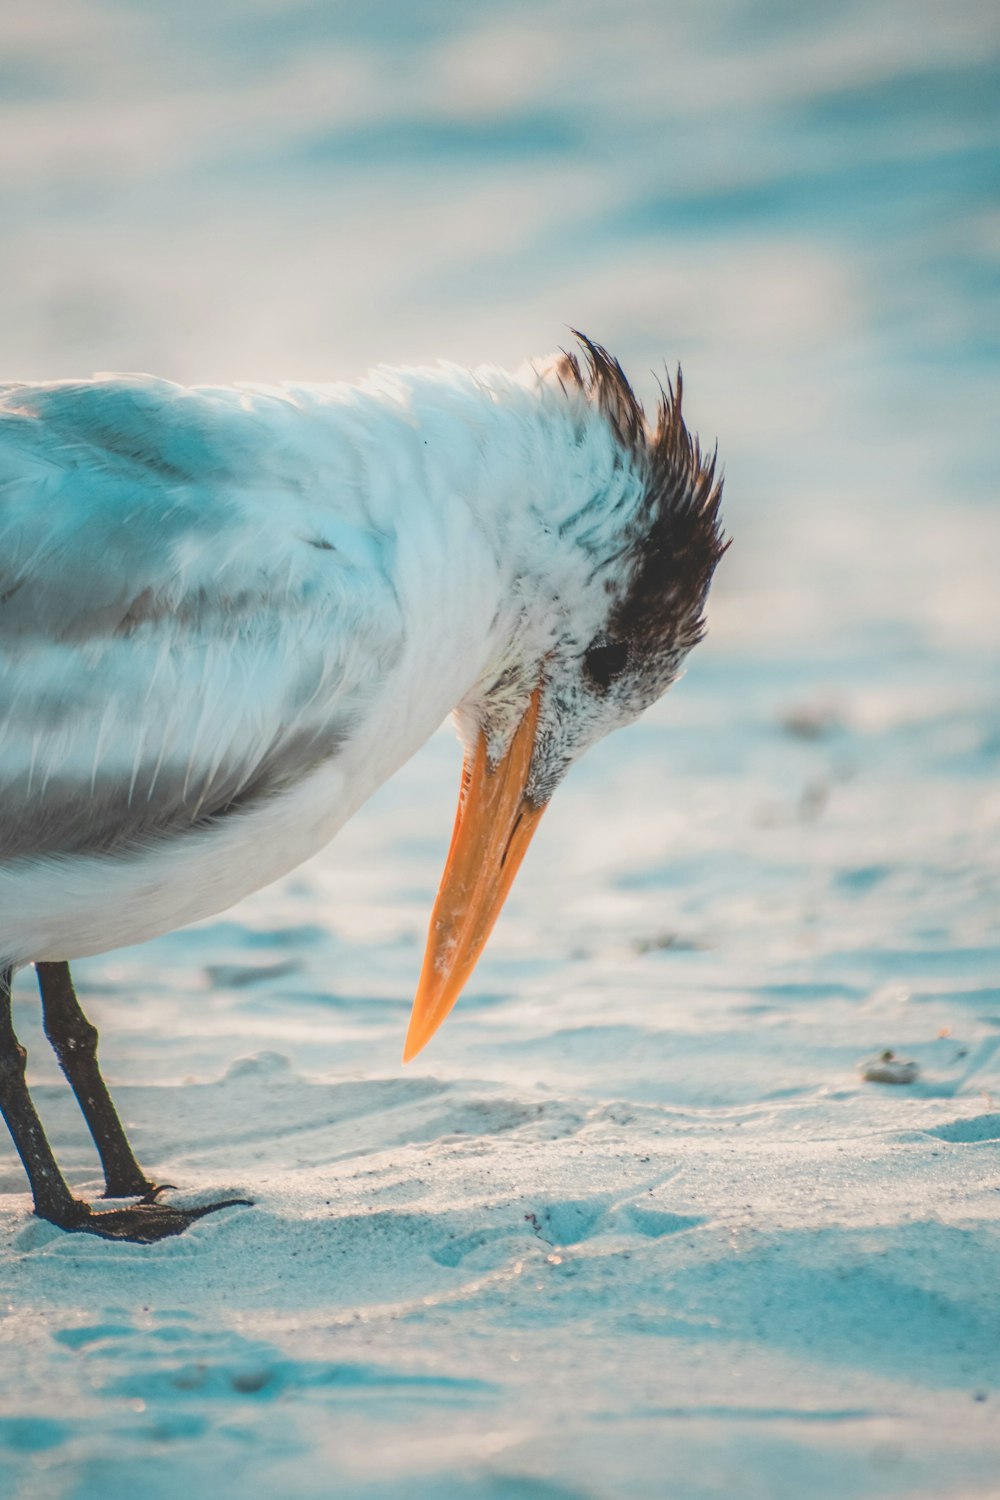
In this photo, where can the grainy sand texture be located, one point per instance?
(634, 1225)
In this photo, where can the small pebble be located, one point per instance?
(888, 1068)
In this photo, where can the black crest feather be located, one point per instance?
(677, 541)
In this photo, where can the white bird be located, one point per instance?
(228, 615)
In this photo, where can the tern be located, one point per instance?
(227, 615)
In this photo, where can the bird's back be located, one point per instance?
(186, 623)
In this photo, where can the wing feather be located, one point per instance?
(187, 622)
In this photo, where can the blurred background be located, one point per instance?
(800, 202)
(789, 864)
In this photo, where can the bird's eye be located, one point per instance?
(604, 661)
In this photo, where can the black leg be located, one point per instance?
(142, 1223)
(74, 1041)
(53, 1199)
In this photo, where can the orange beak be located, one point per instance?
(493, 829)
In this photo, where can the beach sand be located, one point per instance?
(634, 1225)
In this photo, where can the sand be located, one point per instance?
(634, 1225)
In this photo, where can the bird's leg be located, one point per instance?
(53, 1199)
(74, 1041)
(142, 1223)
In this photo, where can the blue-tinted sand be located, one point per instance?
(633, 1227)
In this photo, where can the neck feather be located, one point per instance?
(501, 495)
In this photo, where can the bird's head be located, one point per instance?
(600, 629)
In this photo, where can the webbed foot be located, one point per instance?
(141, 1223)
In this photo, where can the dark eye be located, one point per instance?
(604, 661)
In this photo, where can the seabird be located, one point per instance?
(227, 615)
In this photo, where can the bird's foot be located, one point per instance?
(134, 1186)
(154, 1190)
(141, 1223)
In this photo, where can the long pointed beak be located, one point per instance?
(493, 828)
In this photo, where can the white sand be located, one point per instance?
(633, 1226)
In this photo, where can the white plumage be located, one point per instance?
(196, 584)
(227, 616)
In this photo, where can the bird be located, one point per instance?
(229, 614)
